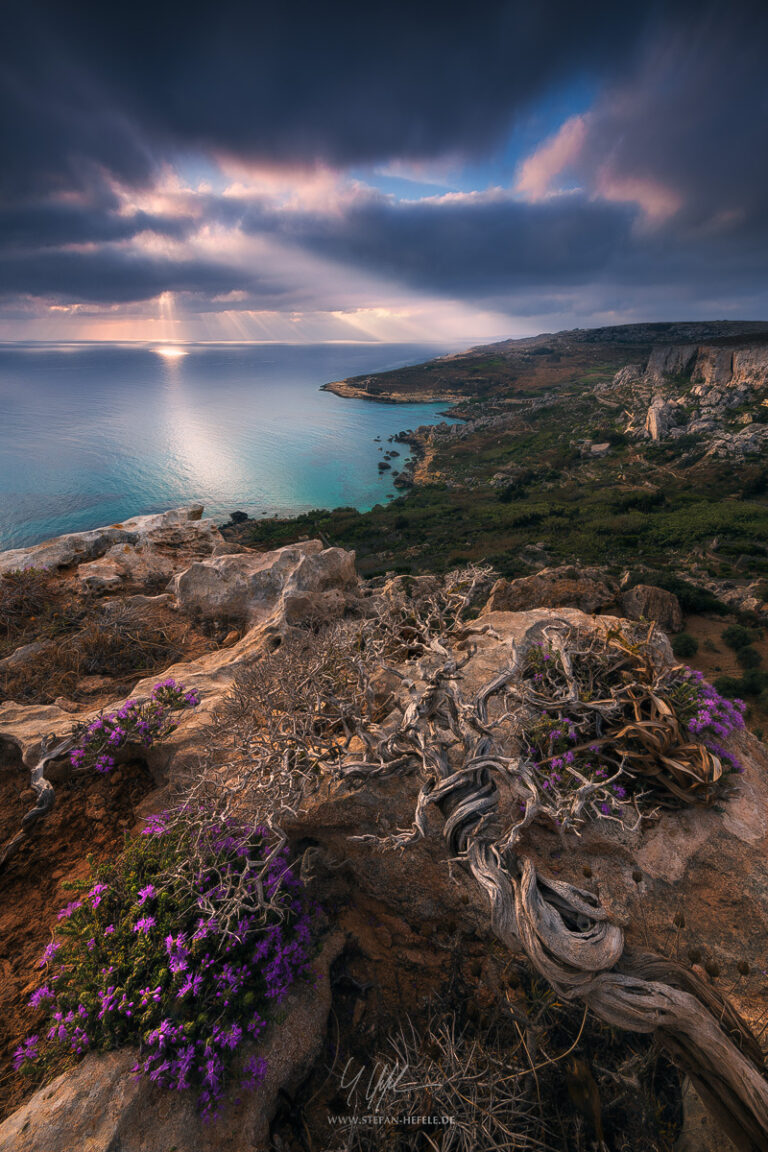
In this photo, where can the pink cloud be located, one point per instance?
(543, 166)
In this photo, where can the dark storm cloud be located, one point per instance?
(693, 117)
(467, 246)
(50, 224)
(94, 92)
(492, 248)
(107, 275)
(114, 84)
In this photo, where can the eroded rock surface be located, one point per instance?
(589, 589)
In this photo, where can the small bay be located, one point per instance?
(94, 433)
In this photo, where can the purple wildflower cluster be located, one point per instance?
(564, 757)
(141, 964)
(708, 716)
(133, 723)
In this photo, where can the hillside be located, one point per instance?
(516, 367)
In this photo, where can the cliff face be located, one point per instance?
(710, 365)
(716, 391)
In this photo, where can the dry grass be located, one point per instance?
(24, 596)
(116, 644)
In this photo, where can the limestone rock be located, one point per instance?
(79, 547)
(101, 1107)
(647, 602)
(160, 549)
(587, 589)
(306, 579)
(670, 360)
(661, 417)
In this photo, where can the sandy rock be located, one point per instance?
(162, 546)
(79, 547)
(587, 589)
(304, 579)
(647, 602)
(101, 1107)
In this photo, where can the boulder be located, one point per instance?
(588, 589)
(161, 547)
(100, 1107)
(300, 580)
(661, 416)
(646, 602)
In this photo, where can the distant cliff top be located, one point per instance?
(537, 363)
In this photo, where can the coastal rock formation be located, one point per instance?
(587, 588)
(171, 530)
(264, 594)
(304, 579)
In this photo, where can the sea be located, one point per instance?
(95, 433)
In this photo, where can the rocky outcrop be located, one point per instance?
(661, 416)
(265, 593)
(749, 441)
(100, 1107)
(301, 580)
(170, 529)
(646, 602)
(589, 589)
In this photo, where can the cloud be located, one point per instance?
(105, 112)
(94, 84)
(538, 171)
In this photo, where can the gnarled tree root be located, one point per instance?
(45, 796)
(563, 930)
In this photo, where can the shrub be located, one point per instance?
(147, 955)
(749, 657)
(692, 599)
(24, 593)
(685, 645)
(736, 637)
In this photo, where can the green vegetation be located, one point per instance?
(685, 645)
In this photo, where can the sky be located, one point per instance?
(461, 172)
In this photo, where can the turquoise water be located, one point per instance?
(91, 434)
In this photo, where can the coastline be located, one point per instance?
(350, 391)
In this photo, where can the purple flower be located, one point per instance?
(109, 929)
(40, 996)
(147, 893)
(49, 953)
(65, 913)
(143, 926)
(27, 1051)
(95, 894)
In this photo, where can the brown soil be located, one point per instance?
(91, 815)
